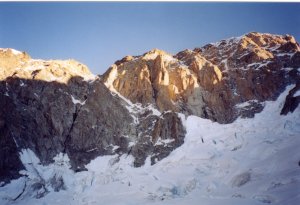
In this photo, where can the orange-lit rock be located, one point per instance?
(209, 81)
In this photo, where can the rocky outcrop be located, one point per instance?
(157, 137)
(212, 81)
(20, 65)
(54, 107)
(292, 100)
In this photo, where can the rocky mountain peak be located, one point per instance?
(154, 53)
(19, 64)
(9, 52)
(10, 59)
(136, 108)
(58, 106)
(250, 48)
(212, 80)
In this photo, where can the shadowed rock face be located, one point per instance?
(56, 106)
(42, 116)
(10, 164)
(211, 81)
(165, 134)
(292, 100)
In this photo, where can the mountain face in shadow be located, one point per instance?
(75, 116)
(53, 107)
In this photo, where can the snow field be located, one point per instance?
(251, 161)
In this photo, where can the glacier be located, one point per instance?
(250, 161)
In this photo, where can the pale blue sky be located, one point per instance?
(97, 34)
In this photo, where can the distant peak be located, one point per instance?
(125, 59)
(10, 50)
(19, 64)
(13, 52)
(157, 51)
(254, 39)
(152, 54)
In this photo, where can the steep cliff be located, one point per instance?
(134, 109)
(53, 107)
(212, 81)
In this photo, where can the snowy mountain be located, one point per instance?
(210, 81)
(214, 125)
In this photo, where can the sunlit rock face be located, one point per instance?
(56, 106)
(19, 64)
(213, 80)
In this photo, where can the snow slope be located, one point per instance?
(249, 162)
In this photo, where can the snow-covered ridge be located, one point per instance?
(15, 52)
(251, 161)
(230, 40)
(237, 40)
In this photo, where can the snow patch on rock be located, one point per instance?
(76, 101)
(297, 93)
